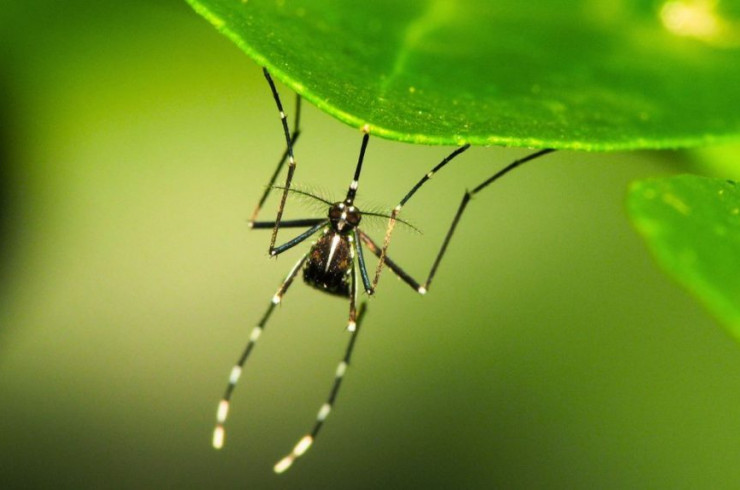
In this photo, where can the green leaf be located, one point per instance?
(589, 74)
(692, 226)
(716, 161)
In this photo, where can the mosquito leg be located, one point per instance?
(306, 441)
(466, 198)
(361, 262)
(291, 161)
(352, 322)
(397, 270)
(300, 238)
(349, 200)
(293, 223)
(423, 288)
(352, 191)
(236, 371)
(294, 137)
(397, 209)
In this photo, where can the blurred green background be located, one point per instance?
(550, 353)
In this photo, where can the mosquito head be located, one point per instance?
(344, 217)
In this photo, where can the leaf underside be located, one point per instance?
(590, 74)
(692, 226)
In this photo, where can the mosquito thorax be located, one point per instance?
(344, 217)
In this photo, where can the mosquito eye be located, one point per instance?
(335, 212)
(354, 217)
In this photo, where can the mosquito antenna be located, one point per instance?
(304, 193)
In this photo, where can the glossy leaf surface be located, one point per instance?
(594, 74)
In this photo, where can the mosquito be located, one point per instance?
(334, 258)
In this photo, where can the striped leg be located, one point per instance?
(281, 163)
(289, 223)
(291, 162)
(375, 249)
(423, 288)
(361, 261)
(236, 371)
(300, 238)
(397, 209)
(306, 441)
